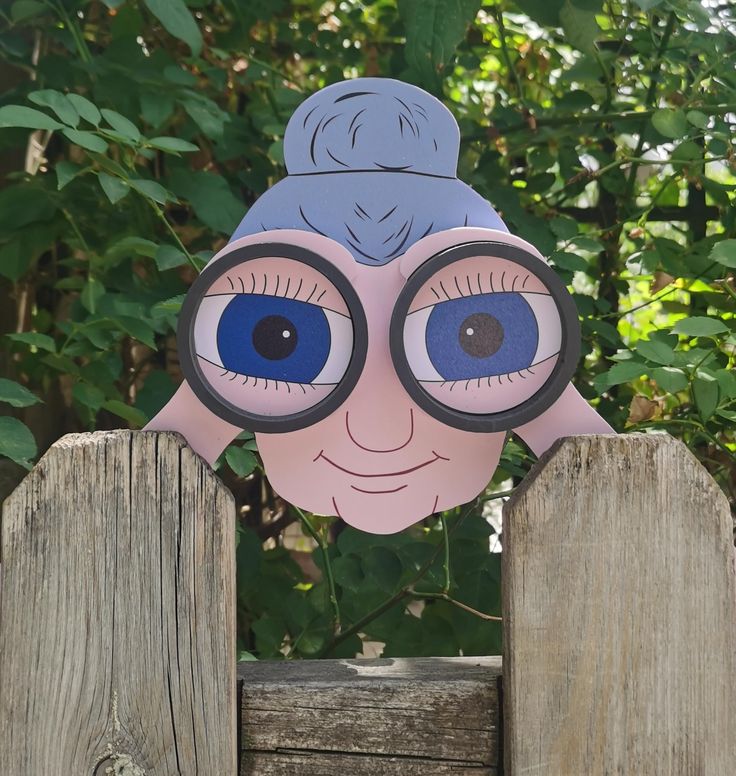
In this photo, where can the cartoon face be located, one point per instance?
(379, 346)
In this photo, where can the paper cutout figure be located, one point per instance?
(373, 321)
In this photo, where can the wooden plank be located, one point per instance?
(117, 645)
(419, 717)
(619, 602)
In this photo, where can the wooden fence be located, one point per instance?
(117, 623)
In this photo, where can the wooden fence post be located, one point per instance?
(620, 614)
(117, 612)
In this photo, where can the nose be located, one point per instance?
(364, 432)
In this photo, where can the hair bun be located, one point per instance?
(372, 124)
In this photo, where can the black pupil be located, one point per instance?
(480, 335)
(274, 337)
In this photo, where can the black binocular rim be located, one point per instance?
(561, 374)
(218, 404)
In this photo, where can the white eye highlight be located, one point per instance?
(550, 335)
(341, 349)
(206, 321)
(415, 346)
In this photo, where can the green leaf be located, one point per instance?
(137, 329)
(656, 351)
(65, 172)
(169, 256)
(114, 188)
(724, 252)
(16, 441)
(569, 261)
(670, 123)
(122, 125)
(34, 339)
(28, 118)
(125, 411)
(86, 109)
(670, 379)
(434, 28)
(16, 395)
(171, 144)
(699, 327)
(242, 462)
(564, 227)
(647, 5)
(178, 21)
(348, 572)
(169, 306)
(727, 383)
(152, 190)
(206, 114)
(705, 393)
(59, 104)
(13, 262)
(26, 9)
(131, 247)
(88, 395)
(91, 293)
(212, 200)
(687, 151)
(544, 11)
(581, 28)
(156, 108)
(624, 372)
(697, 119)
(382, 568)
(87, 140)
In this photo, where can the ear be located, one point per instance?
(568, 416)
(206, 434)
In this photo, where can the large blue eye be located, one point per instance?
(481, 336)
(274, 338)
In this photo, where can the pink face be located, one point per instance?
(380, 461)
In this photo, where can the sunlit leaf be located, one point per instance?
(724, 252)
(699, 326)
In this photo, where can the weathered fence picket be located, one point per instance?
(620, 614)
(117, 645)
(117, 623)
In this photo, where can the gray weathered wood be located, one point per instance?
(620, 614)
(420, 717)
(117, 606)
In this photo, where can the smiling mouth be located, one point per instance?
(437, 457)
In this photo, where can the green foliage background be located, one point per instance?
(135, 133)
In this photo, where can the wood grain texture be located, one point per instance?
(117, 647)
(392, 717)
(620, 614)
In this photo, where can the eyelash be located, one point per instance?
(480, 291)
(275, 291)
(286, 384)
(478, 380)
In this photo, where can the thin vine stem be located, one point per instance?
(459, 604)
(323, 545)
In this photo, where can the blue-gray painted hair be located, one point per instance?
(372, 164)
